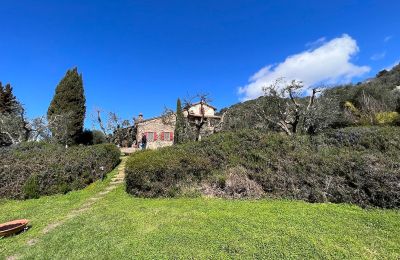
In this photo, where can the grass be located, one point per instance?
(120, 226)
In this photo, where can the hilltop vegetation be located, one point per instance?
(373, 102)
(353, 165)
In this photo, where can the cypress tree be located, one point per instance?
(180, 124)
(67, 109)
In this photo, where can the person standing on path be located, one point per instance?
(144, 141)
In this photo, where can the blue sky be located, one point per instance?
(137, 56)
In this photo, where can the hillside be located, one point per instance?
(380, 88)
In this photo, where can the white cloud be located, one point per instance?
(378, 56)
(329, 63)
(316, 44)
(387, 38)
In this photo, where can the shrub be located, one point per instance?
(31, 188)
(387, 118)
(235, 185)
(86, 137)
(34, 169)
(91, 137)
(359, 165)
(162, 172)
(98, 137)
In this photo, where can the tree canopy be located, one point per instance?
(8, 102)
(180, 124)
(67, 110)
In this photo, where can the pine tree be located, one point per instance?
(180, 124)
(8, 102)
(67, 110)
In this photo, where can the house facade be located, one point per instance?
(159, 131)
(201, 111)
(198, 109)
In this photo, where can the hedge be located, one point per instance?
(359, 165)
(31, 170)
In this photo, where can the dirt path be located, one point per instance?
(115, 182)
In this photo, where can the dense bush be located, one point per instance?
(98, 137)
(387, 118)
(354, 165)
(34, 169)
(90, 137)
(162, 172)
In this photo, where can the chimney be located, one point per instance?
(140, 118)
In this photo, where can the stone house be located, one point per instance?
(160, 130)
(202, 113)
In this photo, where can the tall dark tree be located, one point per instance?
(180, 124)
(14, 128)
(67, 110)
(8, 102)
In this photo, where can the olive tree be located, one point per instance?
(287, 110)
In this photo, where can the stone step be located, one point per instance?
(116, 183)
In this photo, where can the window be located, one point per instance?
(150, 137)
(167, 136)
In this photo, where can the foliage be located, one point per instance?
(116, 130)
(353, 165)
(195, 127)
(69, 103)
(235, 184)
(44, 168)
(98, 137)
(91, 137)
(398, 105)
(14, 127)
(180, 124)
(8, 102)
(387, 118)
(85, 138)
(200, 228)
(124, 136)
(331, 111)
(284, 109)
(31, 188)
(161, 172)
(289, 114)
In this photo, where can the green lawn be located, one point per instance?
(120, 226)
